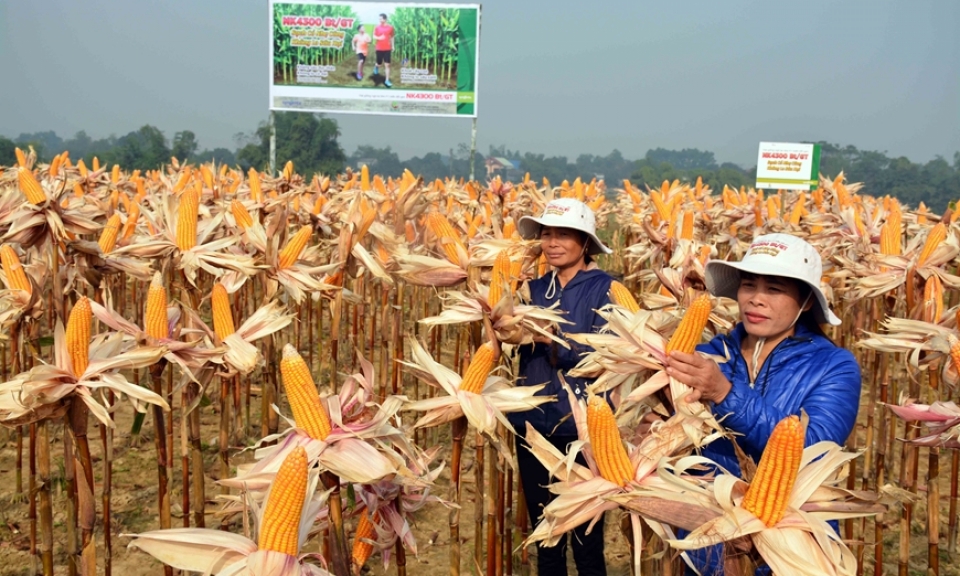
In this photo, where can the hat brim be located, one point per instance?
(723, 279)
(529, 229)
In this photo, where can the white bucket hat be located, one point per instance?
(774, 255)
(565, 213)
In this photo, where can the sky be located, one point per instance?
(558, 77)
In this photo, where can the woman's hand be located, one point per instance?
(699, 373)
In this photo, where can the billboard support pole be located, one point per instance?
(273, 144)
(473, 147)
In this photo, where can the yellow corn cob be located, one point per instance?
(108, 237)
(499, 277)
(222, 314)
(364, 178)
(96, 164)
(82, 168)
(291, 252)
(13, 270)
(772, 212)
(448, 238)
(686, 231)
(890, 238)
(922, 213)
(932, 300)
(241, 214)
(131, 226)
(608, 451)
(365, 531)
(187, 214)
(115, 174)
(936, 236)
(256, 193)
(155, 316)
(54, 168)
(767, 496)
(308, 412)
(30, 186)
(480, 366)
(954, 349)
(78, 335)
(509, 227)
(21, 157)
(279, 529)
(657, 200)
(621, 296)
(688, 333)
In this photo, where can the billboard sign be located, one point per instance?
(374, 58)
(786, 166)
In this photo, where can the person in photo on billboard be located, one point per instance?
(568, 240)
(383, 34)
(361, 46)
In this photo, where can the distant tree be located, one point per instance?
(218, 155)
(184, 145)
(8, 156)
(432, 166)
(144, 149)
(686, 159)
(380, 160)
(310, 140)
(46, 144)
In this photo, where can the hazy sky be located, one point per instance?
(560, 77)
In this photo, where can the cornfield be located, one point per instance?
(332, 359)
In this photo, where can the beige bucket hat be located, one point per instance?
(774, 255)
(565, 213)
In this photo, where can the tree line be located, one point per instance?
(311, 141)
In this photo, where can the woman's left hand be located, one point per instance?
(701, 374)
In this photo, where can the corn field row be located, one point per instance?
(393, 309)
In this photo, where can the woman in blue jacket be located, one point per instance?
(780, 361)
(568, 239)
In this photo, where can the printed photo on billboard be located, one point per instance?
(374, 58)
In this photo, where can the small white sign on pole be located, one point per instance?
(788, 166)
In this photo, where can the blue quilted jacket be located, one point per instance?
(805, 371)
(583, 295)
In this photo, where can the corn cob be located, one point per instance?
(222, 314)
(608, 451)
(499, 277)
(241, 214)
(187, 214)
(291, 252)
(480, 366)
(890, 238)
(932, 300)
(96, 164)
(256, 193)
(365, 531)
(13, 270)
(30, 186)
(509, 228)
(937, 235)
(308, 412)
(21, 158)
(767, 496)
(686, 231)
(688, 333)
(954, 349)
(54, 168)
(131, 225)
(108, 237)
(280, 527)
(448, 238)
(155, 316)
(78, 335)
(364, 178)
(621, 296)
